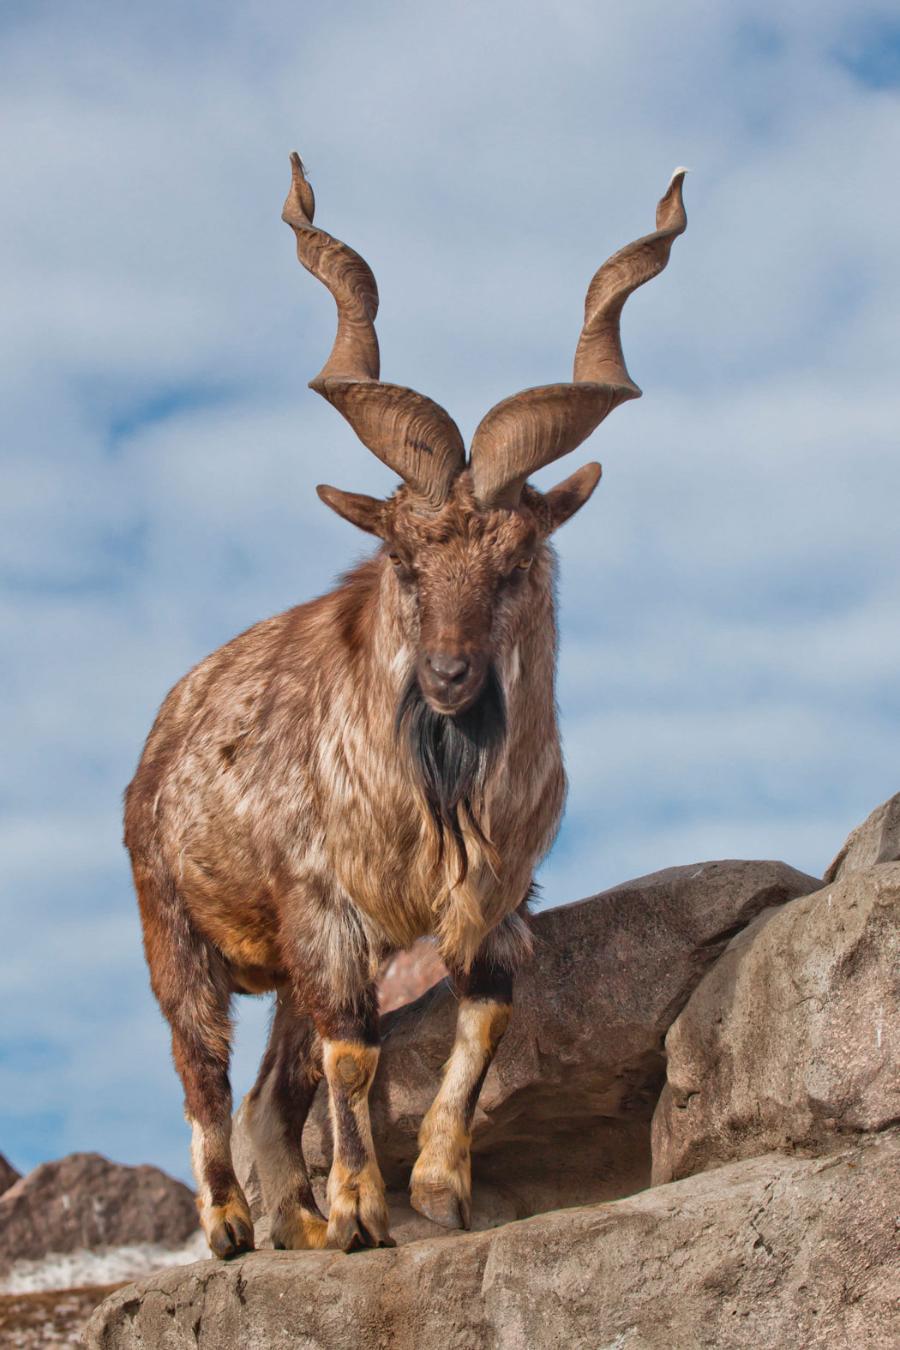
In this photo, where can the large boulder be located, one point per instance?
(8, 1174)
(774, 1251)
(876, 840)
(792, 1040)
(564, 1115)
(84, 1200)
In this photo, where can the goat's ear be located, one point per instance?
(571, 494)
(366, 512)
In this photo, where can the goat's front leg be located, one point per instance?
(358, 1215)
(441, 1182)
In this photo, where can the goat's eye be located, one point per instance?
(403, 569)
(524, 563)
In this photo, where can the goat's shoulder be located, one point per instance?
(263, 676)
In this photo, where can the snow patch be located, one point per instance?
(100, 1265)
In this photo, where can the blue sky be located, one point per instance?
(730, 637)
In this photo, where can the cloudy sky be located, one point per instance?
(730, 650)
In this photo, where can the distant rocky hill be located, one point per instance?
(86, 1201)
(8, 1174)
(72, 1230)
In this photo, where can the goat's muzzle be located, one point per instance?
(451, 679)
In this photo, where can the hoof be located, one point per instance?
(357, 1222)
(298, 1230)
(357, 1211)
(229, 1230)
(441, 1204)
(348, 1233)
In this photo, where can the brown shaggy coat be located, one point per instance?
(378, 765)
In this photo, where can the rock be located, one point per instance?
(86, 1201)
(792, 1040)
(407, 975)
(774, 1251)
(876, 840)
(8, 1174)
(564, 1116)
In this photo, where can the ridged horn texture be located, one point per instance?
(407, 431)
(537, 426)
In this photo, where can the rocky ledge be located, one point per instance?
(728, 1031)
(774, 1251)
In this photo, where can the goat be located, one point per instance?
(379, 764)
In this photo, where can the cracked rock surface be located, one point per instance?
(772, 1251)
(792, 1040)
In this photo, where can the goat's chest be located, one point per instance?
(386, 855)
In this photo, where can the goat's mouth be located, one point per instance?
(471, 707)
(451, 698)
(452, 707)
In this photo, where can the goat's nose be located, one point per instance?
(448, 666)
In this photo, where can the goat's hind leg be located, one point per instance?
(275, 1113)
(190, 980)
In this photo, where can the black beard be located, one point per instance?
(452, 757)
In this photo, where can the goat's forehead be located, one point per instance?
(460, 525)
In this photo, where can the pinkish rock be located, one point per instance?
(408, 975)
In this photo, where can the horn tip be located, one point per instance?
(676, 182)
(670, 214)
(300, 204)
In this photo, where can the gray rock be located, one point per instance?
(774, 1251)
(84, 1200)
(564, 1116)
(876, 840)
(792, 1040)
